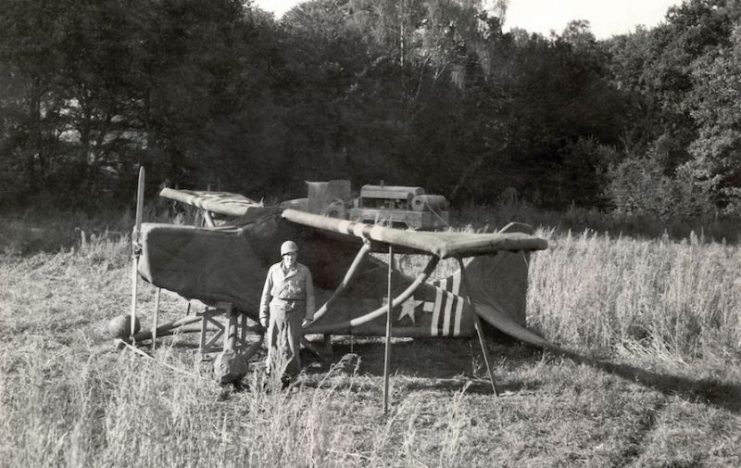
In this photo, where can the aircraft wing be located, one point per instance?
(441, 244)
(222, 203)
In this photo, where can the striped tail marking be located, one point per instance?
(448, 306)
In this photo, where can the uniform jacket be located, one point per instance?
(296, 284)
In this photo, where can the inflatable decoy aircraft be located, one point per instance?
(224, 264)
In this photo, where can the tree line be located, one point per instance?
(417, 92)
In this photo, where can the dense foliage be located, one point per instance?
(427, 92)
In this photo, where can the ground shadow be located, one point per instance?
(428, 364)
(450, 364)
(711, 391)
(411, 358)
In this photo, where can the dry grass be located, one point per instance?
(680, 299)
(653, 380)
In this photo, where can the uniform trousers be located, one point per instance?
(284, 337)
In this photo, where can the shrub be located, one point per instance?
(637, 186)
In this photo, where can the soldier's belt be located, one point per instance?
(287, 304)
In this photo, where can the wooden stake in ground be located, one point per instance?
(156, 317)
(230, 343)
(136, 249)
(387, 356)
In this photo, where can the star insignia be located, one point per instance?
(407, 309)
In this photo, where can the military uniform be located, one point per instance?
(287, 299)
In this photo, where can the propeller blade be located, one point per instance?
(135, 248)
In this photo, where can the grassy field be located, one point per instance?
(651, 375)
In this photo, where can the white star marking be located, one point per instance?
(407, 309)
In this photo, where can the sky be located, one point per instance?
(606, 17)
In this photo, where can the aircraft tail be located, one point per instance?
(498, 289)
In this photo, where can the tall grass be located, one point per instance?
(576, 219)
(592, 290)
(102, 408)
(69, 398)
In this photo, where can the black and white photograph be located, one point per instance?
(370, 233)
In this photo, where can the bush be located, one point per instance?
(639, 187)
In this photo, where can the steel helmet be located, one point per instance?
(288, 247)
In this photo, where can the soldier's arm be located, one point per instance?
(265, 299)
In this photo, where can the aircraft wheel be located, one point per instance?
(120, 327)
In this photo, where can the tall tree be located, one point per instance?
(716, 108)
(31, 33)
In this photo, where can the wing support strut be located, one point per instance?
(477, 325)
(402, 297)
(208, 220)
(346, 280)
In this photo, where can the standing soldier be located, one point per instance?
(286, 306)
